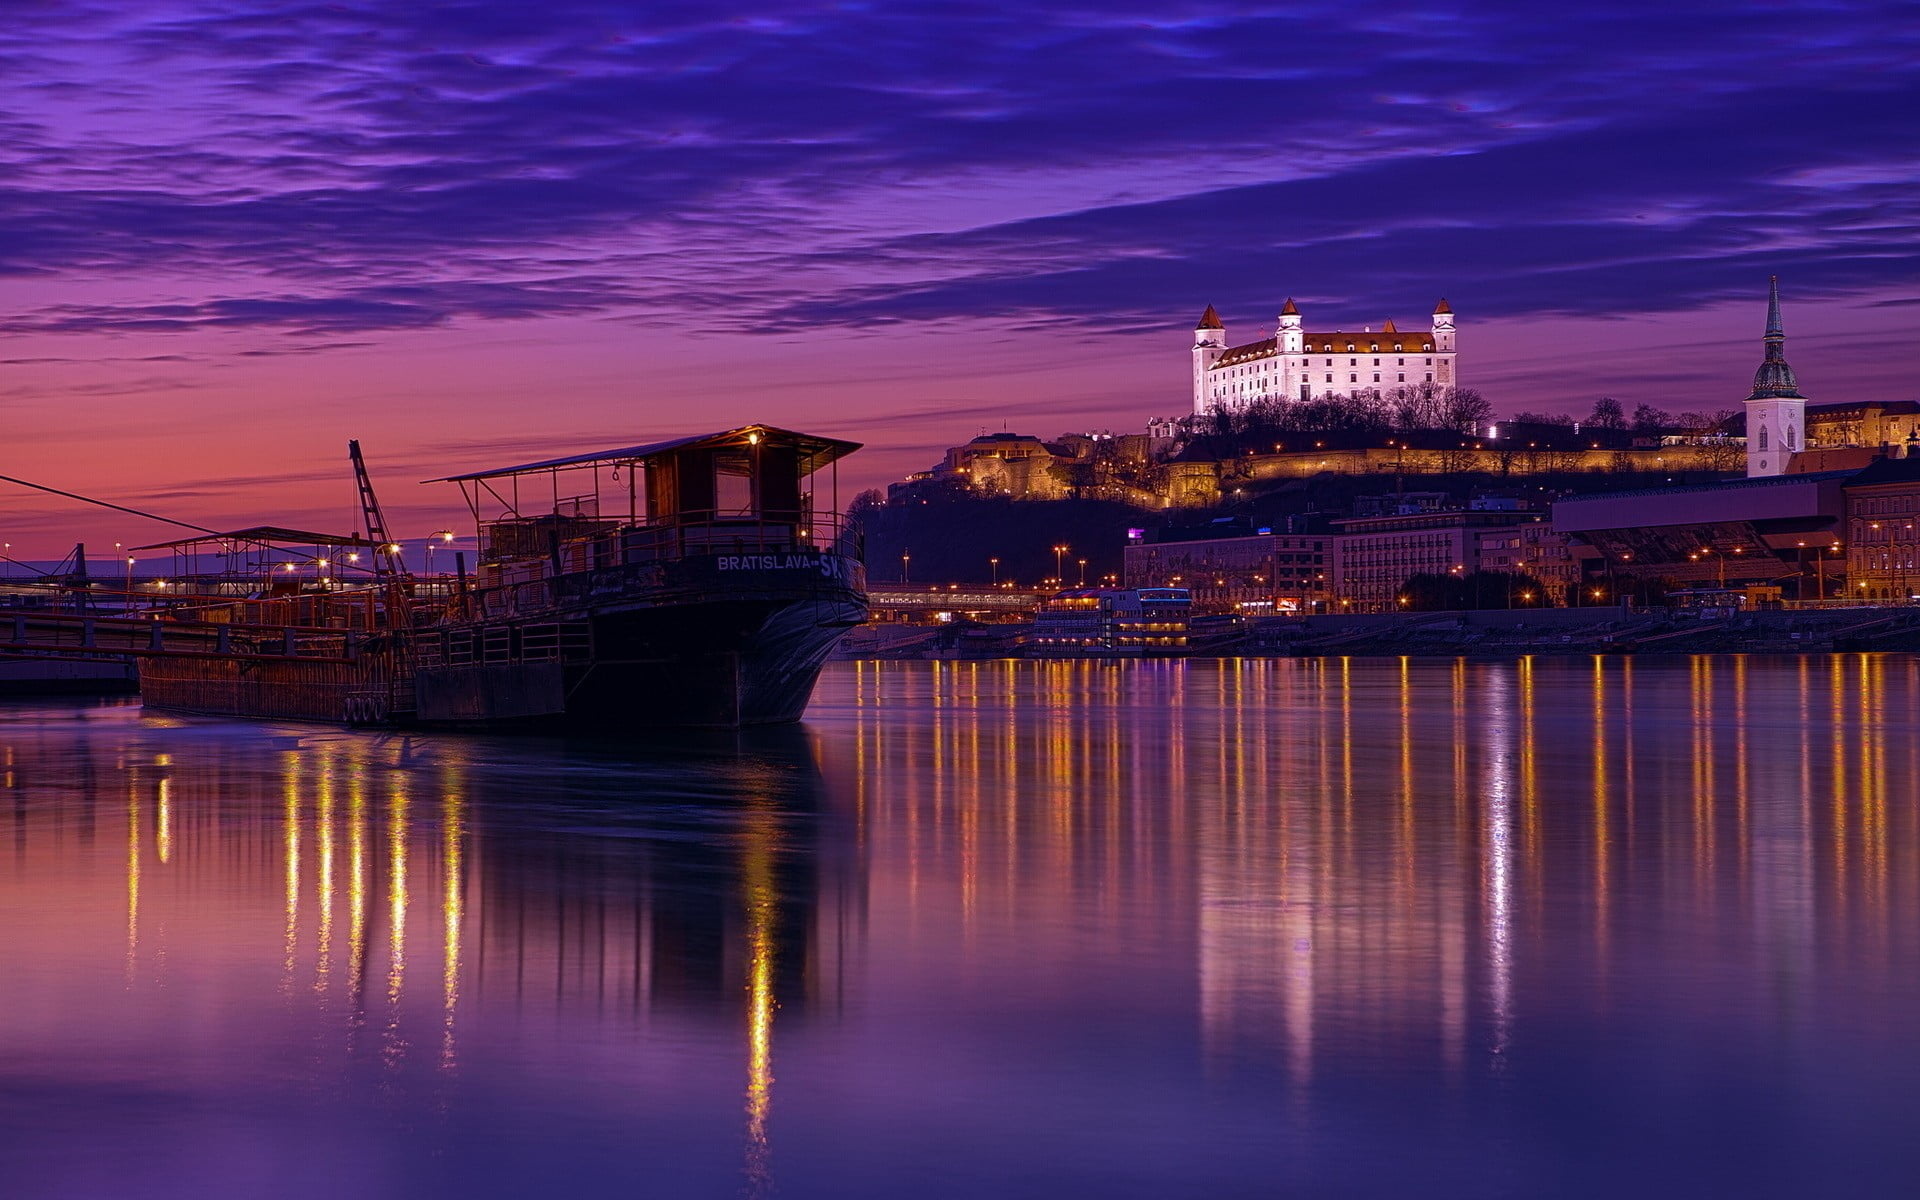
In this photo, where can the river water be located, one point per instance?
(1329, 927)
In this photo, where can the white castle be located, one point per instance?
(1294, 364)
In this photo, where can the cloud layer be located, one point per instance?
(352, 167)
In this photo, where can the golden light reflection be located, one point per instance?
(133, 878)
(163, 821)
(761, 900)
(1602, 833)
(453, 833)
(1705, 783)
(290, 845)
(323, 959)
(395, 1046)
(357, 895)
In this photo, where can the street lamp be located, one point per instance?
(444, 537)
(906, 560)
(1059, 564)
(995, 564)
(1083, 572)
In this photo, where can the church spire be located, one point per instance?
(1774, 380)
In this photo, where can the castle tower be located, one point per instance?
(1289, 334)
(1776, 411)
(1209, 343)
(1443, 342)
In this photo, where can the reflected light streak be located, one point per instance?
(323, 960)
(133, 878)
(1602, 867)
(396, 915)
(760, 897)
(291, 849)
(452, 915)
(356, 893)
(163, 821)
(1498, 855)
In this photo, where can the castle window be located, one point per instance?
(1403, 377)
(1353, 379)
(1329, 377)
(1401, 362)
(1429, 376)
(1374, 348)
(1429, 362)
(1376, 362)
(1763, 437)
(1349, 347)
(1396, 347)
(1376, 377)
(1352, 362)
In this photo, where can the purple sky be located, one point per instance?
(234, 233)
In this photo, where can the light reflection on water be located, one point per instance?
(1355, 926)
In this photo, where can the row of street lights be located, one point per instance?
(993, 565)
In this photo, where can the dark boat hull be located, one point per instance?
(682, 646)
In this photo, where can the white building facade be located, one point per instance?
(1296, 364)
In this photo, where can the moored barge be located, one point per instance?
(692, 582)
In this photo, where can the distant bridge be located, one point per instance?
(909, 600)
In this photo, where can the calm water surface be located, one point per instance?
(1316, 928)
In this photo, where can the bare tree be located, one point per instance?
(1607, 414)
(1648, 419)
(1464, 410)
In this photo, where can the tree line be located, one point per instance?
(1363, 414)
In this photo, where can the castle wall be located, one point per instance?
(1301, 465)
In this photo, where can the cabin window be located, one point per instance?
(732, 485)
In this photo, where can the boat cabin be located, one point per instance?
(750, 489)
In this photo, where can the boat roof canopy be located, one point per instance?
(815, 452)
(261, 535)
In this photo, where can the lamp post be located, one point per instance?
(1059, 561)
(995, 564)
(444, 537)
(906, 561)
(1083, 572)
